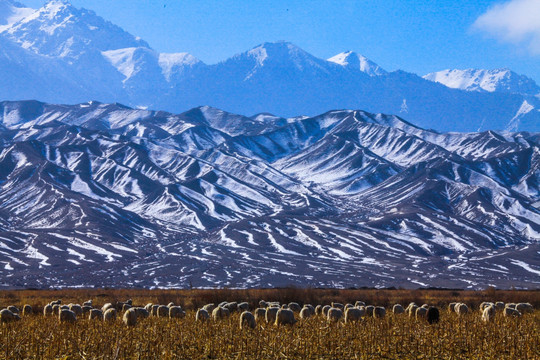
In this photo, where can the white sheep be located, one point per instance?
(334, 315)
(488, 314)
(154, 310)
(295, 307)
(148, 307)
(13, 309)
(348, 306)
(243, 306)
(369, 310)
(325, 310)
(76, 308)
(86, 309)
(95, 314)
(106, 307)
(87, 303)
(508, 311)
(247, 320)
(171, 304)
(202, 315)
(176, 312)
(379, 312)
(47, 310)
(318, 309)
(209, 308)
(263, 304)
(126, 307)
(305, 313)
(412, 310)
(220, 313)
(109, 314)
(259, 313)
(142, 312)
(337, 305)
(499, 305)
(461, 309)
(130, 317)
(67, 316)
(484, 305)
(271, 314)
(359, 303)
(452, 307)
(398, 309)
(524, 308)
(7, 316)
(232, 306)
(353, 314)
(285, 317)
(27, 310)
(421, 313)
(162, 311)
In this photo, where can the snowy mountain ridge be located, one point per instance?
(207, 197)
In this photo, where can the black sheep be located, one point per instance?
(433, 315)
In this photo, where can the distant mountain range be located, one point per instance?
(105, 195)
(61, 54)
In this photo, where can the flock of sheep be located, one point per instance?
(267, 312)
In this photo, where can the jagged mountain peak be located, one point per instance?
(280, 53)
(60, 29)
(494, 80)
(354, 61)
(12, 12)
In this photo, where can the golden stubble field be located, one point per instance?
(394, 337)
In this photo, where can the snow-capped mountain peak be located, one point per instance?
(281, 53)
(176, 62)
(496, 80)
(354, 61)
(11, 12)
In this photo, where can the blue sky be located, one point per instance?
(412, 35)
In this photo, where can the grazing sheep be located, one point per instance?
(432, 315)
(271, 314)
(508, 311)
(260, 313)
(337, 305)
(334, 315)
(95, 314)
(141, 312)
(421, 313)
(148, 307)
(369, 310)
(359, 303)
(379, 312)
(285, 317)
(162, 311)
(27, 310)
(484, 305)
(86, 309)
(499, 305)
(353, 314)
(7, 316)
(425, 306)
(76, 308)
(176, 312)
(524, 308)
(305, 313)
(106, 307)
(130, 317)
(247, 320)
(129, 302)
(452, 307)
(109, 314)
(87, 303)
(67, 316)
(13, 309)
(511, 305)
(220, 313)
(318, 309)
(223, 303)
(243, 306)
(398, 309)
(202, 315)
(461, 309)
(56, 302)
(64, 307)
(126, 307)
(170, 304)
(209, 307)
(232, 306)
(325, 310)
(56, 309)
(348, 306)
(285, 306)
(295, 307)
(154, 310)
(263, 304)
(47, 310)
(488, 314)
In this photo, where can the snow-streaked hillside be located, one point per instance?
(353, 61)
(497, 80)
(206, 197)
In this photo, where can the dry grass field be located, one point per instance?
(393, 337)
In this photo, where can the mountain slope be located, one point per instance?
(345, 198)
